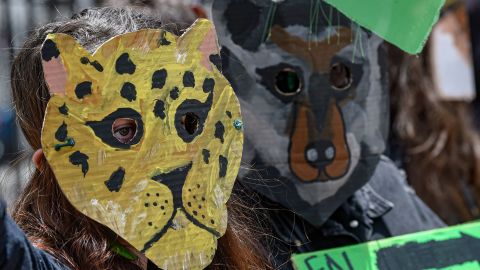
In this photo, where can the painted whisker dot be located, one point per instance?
(212, 221)
(189, 204)
(148, 194)
(162, 207)
(150, 223)
(157, 195)
(166, 201)
(195, 213)
(146, 204)
(155, 204)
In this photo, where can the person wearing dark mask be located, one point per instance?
(313, 88)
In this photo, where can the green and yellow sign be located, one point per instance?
(449, 248)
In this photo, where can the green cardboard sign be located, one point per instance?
(456, 247)
(405, 23)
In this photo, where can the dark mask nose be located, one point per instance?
(320, 153)
(318, 144)
(319, 96)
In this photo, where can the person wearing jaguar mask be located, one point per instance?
(313, 88)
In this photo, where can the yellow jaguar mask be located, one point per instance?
(144, 136)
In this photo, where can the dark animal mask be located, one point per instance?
(313, 89)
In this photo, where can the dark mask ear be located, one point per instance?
(244, 20)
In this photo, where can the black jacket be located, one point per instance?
(16, 252)
(386, 206)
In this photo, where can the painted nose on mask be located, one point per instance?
(318, 145)
(320, 153)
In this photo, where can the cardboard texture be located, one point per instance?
(448, 248)
(313, 96)
(452, 57)
(405, 23)
(164, 190)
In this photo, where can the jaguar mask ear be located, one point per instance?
(201, 39)
(56, 66)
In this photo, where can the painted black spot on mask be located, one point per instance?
(229, 114)
(223, 163)
(159, 109)
(114, 183)
(174, 93)
(124, 64)
(163, 41)
(193, 107)
(49, 50)
(128, 91)
(208, 85)
(159, 78)
(103, 128)
(188, 79)
(80, 159)
(217, 61)
(219, 131)
(95, 64)
(61, 133)
(63, 109)
(206, 156)
(83, 89)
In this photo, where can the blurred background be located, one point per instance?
(17, 18)
(435, 103)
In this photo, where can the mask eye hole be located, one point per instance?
(124, 129)
(287, 82)
(190, 122)
(340, 76)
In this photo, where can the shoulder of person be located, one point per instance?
(16, 251)
(408, 212)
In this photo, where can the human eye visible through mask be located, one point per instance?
(124, 129)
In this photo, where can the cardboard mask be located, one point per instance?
(161, 181)
(313, 89)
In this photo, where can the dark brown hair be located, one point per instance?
(442, 157)
(43, 212)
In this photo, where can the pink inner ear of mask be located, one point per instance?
(209, 47)
(55, 75)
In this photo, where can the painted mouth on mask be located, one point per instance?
(175, 180)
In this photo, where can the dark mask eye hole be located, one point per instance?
(124, 129)
(340, 76)
(288, 82)
(190, 122)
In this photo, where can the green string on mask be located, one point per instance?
(122, 251)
